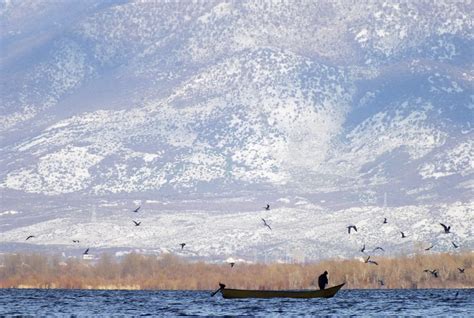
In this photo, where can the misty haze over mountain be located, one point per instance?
(205, 112)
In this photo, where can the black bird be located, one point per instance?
(461, 270)
(31, 236)
(433, 272)
(266, 224)
(429, 248)
(136, 210)
(232, 264)
(351, 227)
(381, 282)
(378, 248)
(369, 261)
(137, 223)
(454, 244)
(182, 245)
(267, 207)
(86, 251)
(363, 249)
(75, 241)
(403, 234)
(385, 221)
(446, 228)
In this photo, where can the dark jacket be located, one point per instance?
(323, 280)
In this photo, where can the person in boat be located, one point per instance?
(323, 280)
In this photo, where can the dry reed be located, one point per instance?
(169, 272)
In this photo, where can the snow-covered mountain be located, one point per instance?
(317, 107)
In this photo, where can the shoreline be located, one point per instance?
(170, 272)
(209, 290)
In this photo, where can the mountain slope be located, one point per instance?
(334, 102)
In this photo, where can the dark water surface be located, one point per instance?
(445, 302)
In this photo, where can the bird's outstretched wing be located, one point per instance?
(446, 228)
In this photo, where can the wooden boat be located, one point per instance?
(305, 293)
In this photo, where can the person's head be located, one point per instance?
(325, 272)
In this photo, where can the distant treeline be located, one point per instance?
(169, 272)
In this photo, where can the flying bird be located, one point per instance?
(136, 210)
(267, 207)
(403, 234)
(454, 244)
(351, 227)
(232, 264)
(86, 251)
(378, 248)
(137, 223)
(75, 241)
(266, 224)
(385, 221)
(182, 245)
(363, 249)
(446, 228)
(461, 270)
(429, 248)
(371, 262)
(31, 236)
(433, 272)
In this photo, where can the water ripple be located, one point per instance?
(34, 302)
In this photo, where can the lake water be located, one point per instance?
(446, 302)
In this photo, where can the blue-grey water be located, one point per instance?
(444, 302)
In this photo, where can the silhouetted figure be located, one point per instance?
(381, 282)
(429, 248)
(232, 264)
(433, 272)
(363, 249)
(221, 287)
(137, 223)
(75, 241)
(351, 227)
(446, 228)
(461, 270)
(454, 244)
(403, 234)
(266, 224)
(267, 207)
(182, 245)
(136, 210)
(385, 221)
(378, 248)
(371, 262)
(31, 236)
(86, 251)
(323, 280)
